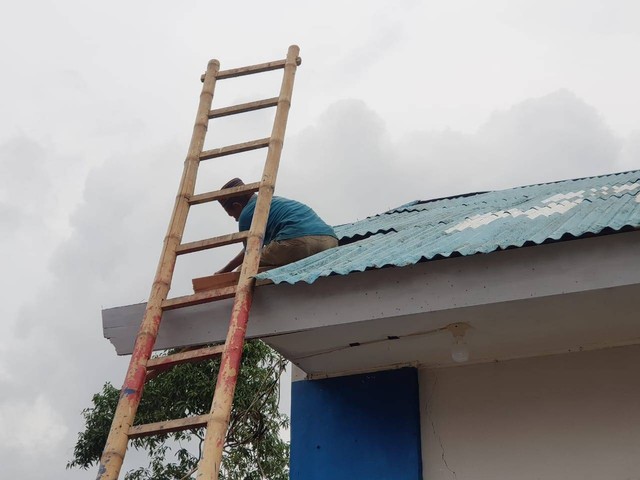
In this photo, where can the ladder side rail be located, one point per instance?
(209, 466)
(116, 445)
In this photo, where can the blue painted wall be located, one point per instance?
(357, 427)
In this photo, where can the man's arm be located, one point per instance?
(233, 264)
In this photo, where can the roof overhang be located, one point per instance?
(520, 302)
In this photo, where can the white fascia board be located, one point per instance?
(516, 274)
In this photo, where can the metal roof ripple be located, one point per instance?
(475, 223)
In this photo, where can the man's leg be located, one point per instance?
(283, 252)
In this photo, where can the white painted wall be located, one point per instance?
(572, 416)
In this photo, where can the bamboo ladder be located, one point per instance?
(141, 365)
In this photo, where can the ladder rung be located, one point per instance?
(250, 70)
(225, 193)
(259, 68)
(243, 107)
(198, 298)
(212, 242)
(168, 426)
(237, 148)
(162, 363)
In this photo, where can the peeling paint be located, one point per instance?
(532, 213)
(564, 196)
(626, 188)
(559, 203)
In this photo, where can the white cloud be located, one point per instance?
(32, 429)
(630, 153)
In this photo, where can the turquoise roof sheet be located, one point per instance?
(476, 223)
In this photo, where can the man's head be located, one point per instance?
(234, 205)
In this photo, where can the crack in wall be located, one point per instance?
(433, 427)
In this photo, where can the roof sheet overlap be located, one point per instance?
(476, 223)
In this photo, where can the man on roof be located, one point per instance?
(294, 231)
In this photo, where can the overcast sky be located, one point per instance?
(394, 101)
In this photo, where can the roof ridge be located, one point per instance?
(567, 180)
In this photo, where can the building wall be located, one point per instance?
(572, 416)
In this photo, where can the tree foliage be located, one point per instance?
(253, 449)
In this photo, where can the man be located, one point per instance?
(294, 231)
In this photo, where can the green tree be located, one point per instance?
(253, 449)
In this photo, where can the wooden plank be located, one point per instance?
(211, 243)
(200, 354)
(168, 426)
(237, 148)
(224, 193)
(243, 108)
(222, 280)
(198, 298)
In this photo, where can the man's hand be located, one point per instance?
(233, 264)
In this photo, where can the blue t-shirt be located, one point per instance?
(287, 219)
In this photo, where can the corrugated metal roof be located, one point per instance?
(476, 223)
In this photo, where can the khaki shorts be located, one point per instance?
(282, 252)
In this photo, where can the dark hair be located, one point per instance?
(242, 198)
